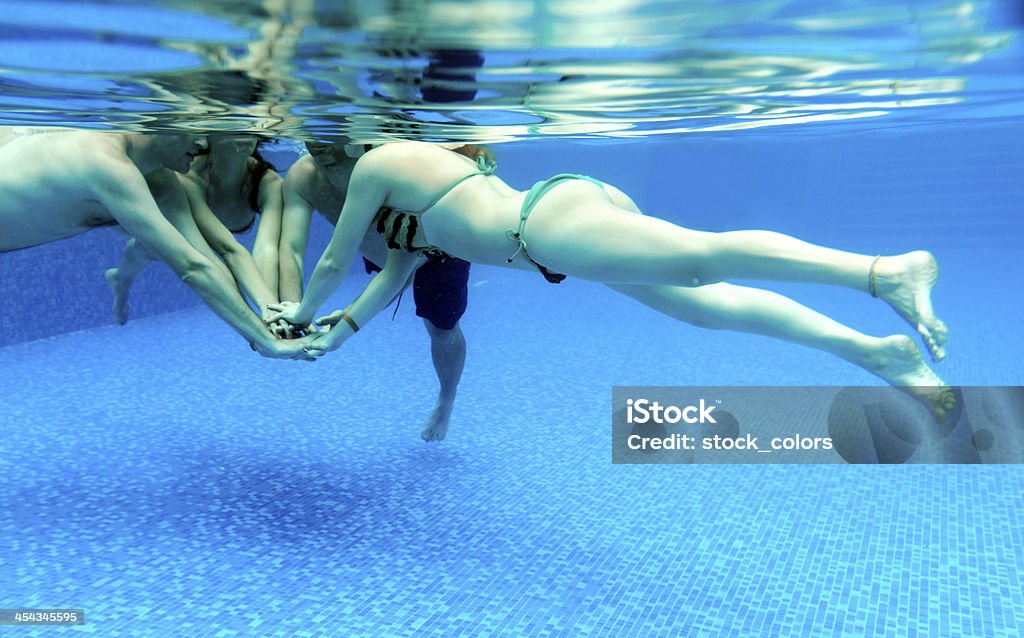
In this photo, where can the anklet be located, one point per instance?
(871, 276)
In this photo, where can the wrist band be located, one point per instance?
(351, 322)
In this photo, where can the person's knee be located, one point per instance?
(699, 267)
(443, 336)
(720, 309)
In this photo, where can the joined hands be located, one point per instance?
(316, 338)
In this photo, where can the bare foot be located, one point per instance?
(905, 282)
(437, 425)
(121, 307)
(897, 360)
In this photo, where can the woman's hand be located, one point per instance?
(287, 311)
(323, 342)
(329, 321)
(279, 327)
(284, 330)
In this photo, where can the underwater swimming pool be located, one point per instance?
(169, 482)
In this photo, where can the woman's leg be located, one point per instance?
(135, 259)
(728, 307)
(587, 236)
(753, 310)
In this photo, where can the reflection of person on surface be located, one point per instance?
(254, 82)
(225, 188)
(571, 224)
(57, 185)
(319, 181)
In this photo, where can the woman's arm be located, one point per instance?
(234, 254)
(366, 194)
(378, 294)
(268, 234)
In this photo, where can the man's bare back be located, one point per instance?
(57, 185)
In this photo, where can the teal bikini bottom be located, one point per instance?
(532, 198)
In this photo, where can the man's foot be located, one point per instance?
(897, 360)
(905, 282)
(121, 307)
(437, 425)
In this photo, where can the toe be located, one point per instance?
(934, 348)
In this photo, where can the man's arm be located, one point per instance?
(295, 222)
(122, 190)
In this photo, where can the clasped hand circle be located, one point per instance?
(282, 319)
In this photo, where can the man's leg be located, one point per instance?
(136, 259)
(174, 205)
(448, 350)
(441, 291)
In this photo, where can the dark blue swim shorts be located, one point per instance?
(440, 289)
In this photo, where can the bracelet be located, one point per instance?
(351, 322)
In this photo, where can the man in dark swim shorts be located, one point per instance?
(440, 289)
(319, 181)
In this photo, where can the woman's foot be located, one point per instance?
(121, 307)
(897, 360)
(905, 282)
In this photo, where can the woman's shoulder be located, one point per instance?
(404, 151)
(412, 160)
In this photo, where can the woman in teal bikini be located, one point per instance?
(423, 198)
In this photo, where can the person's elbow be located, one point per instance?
(194, 271)
(291, 243)
(290, 263)
(264, 254)
(329, 266)
(228, 249)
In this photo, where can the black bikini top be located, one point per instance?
(402, 229)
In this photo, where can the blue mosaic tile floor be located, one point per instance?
(171, 483)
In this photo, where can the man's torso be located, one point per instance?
(43, 192)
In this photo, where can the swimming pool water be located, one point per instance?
(171, 483)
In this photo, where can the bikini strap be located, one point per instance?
(539, 189)
(483, 168)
